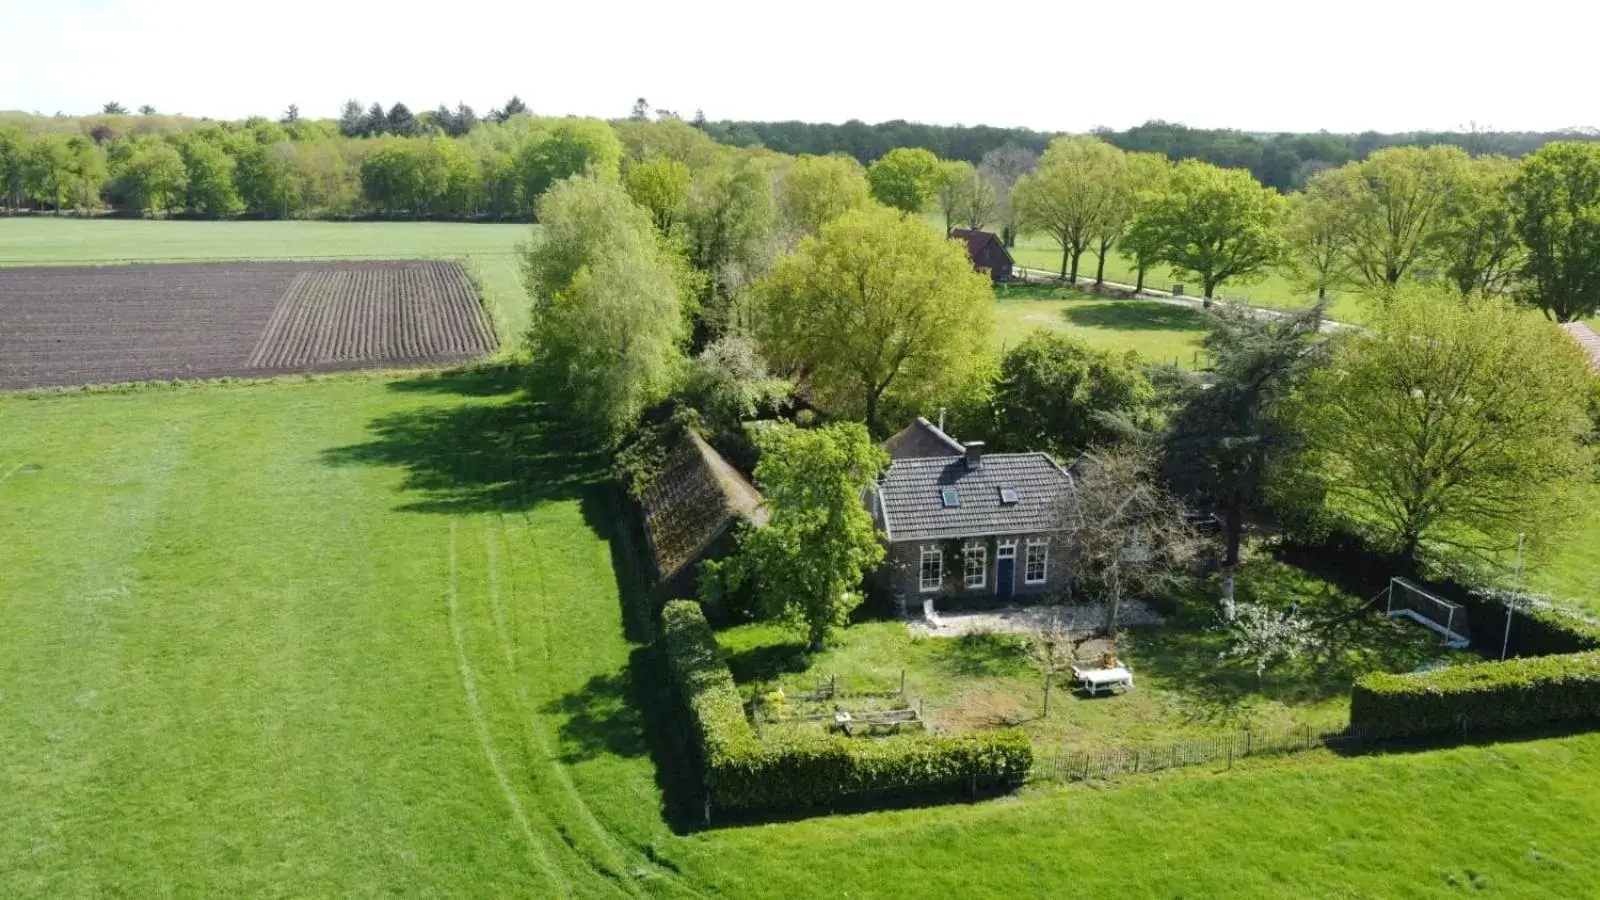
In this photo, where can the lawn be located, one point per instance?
(1158, 332)
(1186, 691)
(370, 635)
(1570, 571)
(487, 250)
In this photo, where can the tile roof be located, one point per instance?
(922, 439)
(692, 502)
(1587, 338)
(976, 241)
(914, 510)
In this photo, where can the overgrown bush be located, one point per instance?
(796, 768)
(1487, 696)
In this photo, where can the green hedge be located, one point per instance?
(1488, 696)
(799, 768)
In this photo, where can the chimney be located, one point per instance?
(974, 454)
(941, 418)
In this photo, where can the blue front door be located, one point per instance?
(1005, 571)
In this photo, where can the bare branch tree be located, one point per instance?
(1050, 647)
(1126, 533)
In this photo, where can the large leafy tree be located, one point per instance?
(906, 178)
(1149, 173)
(1474, 244)
(1056, 394)
(1068, 196)
(876, 306)
(1219, 225)
(807, 562)
(1397, 197)
(1225, 437)
(953, 174)
(1316, 233)
(661, 186)
(731, 227)
(570, 147)
(608, 324)
(210, 172)
(970, 198)
(1556, 203)
(154, 177)
(1447, 428)
(819, 189)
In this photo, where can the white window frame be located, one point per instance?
(1043, 546)
(936, 555)
(1008, 549)
(982, 554)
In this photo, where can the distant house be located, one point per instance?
(689, 511)
(988, 252)
(1587, 338)
(970, 523)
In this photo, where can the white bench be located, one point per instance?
(1096, 680)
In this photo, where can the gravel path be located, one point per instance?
(1023, 619)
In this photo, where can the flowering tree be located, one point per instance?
(1263, 635)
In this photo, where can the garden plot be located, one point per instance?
(89, 325)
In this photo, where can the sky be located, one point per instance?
(1051, 65)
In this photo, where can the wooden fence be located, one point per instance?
(1224, 749)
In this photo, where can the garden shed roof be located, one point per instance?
(922, 439)
(692, 502)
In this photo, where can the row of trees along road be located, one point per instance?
(1484, 226)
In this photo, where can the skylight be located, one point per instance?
(1008, 495)
(950, 497)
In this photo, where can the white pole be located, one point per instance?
(1511, 601)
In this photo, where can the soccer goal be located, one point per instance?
(1409, 601)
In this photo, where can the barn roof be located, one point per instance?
(922, 439)
(976, 241)
(1587, 338)
(692, 502)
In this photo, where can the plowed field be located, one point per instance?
(96, 324)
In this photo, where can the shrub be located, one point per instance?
(798, 768)
(1484, 696)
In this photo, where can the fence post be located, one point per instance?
(1136, 753)
(902, 683)
(1230, 756)
(1247, 743)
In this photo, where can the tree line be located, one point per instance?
(1281, 161)
(1484, 226)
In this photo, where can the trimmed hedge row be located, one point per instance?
(796, 768)
(1486, 696)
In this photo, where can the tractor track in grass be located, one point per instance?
(536, 847)
(504, 605)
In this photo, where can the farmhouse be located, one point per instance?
(988, 252)
(690, 509)
(960, 522)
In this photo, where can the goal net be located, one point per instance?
(1409, 601)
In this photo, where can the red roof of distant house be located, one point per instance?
(1587, 337)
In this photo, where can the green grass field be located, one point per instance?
(1158, 332)
(380, 635)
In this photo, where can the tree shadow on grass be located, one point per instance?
(1188, 658)
(768, 662)
(978, 655)
(1136, 315)
(501, 456)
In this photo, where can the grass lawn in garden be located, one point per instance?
(1158, 332)
(1185, 691)
(1570, 571)
(488, 250)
